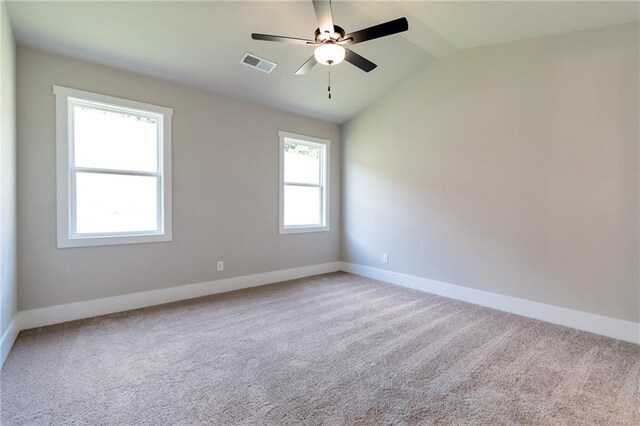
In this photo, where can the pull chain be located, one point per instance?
(329, 87)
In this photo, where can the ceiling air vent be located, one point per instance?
(258, 63)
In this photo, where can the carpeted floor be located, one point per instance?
(332, 349)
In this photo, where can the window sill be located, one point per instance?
(65, 242)
(304, 230)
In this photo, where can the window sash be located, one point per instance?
(71, 102)
(321, 153)
(320, 206)
(73, 209)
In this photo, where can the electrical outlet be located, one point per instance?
(220, 265)
(385, 258)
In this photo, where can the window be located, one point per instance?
(304, 171)
(113, 170)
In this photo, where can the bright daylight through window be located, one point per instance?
(114, 175)
(304, 166)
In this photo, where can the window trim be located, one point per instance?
(325, 172)
(64, 97)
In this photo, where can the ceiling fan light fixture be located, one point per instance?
(329, 54)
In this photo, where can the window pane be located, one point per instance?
(301, 205)
(113, 140)
(115, 203)
(301, 163)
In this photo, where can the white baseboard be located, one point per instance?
(90, 308)
(6, 342)
(611, 327)
(606, 326)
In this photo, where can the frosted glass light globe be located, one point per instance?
(329, 54)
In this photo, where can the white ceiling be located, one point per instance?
(201, 43)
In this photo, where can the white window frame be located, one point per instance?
(66, 98)
(325, 144)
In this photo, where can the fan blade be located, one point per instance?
(361, 62)
(306, 66)
(380, 30)
(324, 15)
(281, 39)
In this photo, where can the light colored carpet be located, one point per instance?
(332, 349)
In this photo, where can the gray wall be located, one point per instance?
(511, 169)
(225, 190)
(8, 283)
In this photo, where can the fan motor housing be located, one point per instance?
(338, 34)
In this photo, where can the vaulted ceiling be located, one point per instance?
(201, 43)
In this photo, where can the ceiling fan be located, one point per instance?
(332, 43)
